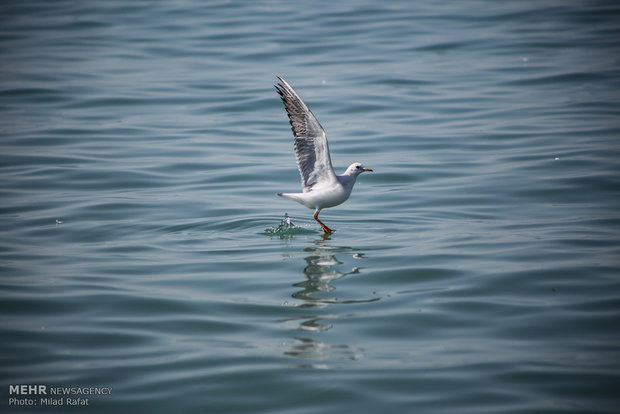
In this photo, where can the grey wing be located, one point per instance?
(313, 160)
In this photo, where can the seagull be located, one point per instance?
(321, 187)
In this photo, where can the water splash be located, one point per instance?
(287, 228)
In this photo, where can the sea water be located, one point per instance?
(475, 270)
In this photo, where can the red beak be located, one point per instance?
(367, 169)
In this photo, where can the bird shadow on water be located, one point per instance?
(317, 296)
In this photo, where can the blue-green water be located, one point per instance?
(475, 271)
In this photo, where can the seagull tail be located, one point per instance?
(292, 196)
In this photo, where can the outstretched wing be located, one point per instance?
(313, 160)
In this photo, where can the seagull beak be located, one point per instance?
(367, 169)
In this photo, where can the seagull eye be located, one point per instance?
(358, 167)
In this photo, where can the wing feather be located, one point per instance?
(311, 148)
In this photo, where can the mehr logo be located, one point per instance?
(27, 389)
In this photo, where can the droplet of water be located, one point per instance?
(286, 228)
(285, 225)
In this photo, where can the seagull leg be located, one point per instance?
(326, 229)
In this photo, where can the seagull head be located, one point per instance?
(356, 169)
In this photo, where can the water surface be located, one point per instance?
(476, 270)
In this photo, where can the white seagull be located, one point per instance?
(321, 187)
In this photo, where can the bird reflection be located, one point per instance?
(322, 353)
(320, 271)
(322, 268)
